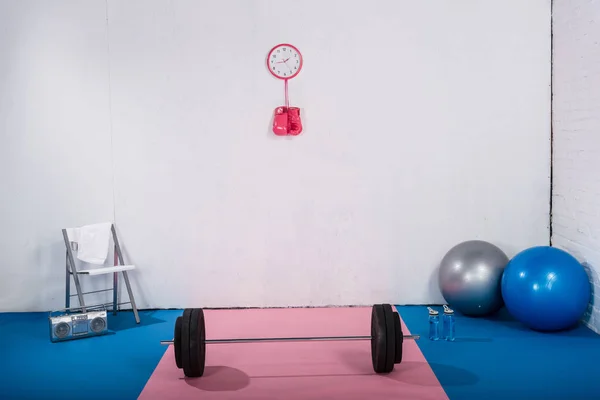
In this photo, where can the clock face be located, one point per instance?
(284, 61)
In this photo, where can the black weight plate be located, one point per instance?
(186, 341)
(378, 338)
(177, 342)
(202, 338)
(390, 336)
(197, 344)
(399, 338)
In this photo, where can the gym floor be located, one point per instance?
(493, 358)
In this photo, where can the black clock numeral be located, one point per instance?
(273, 68)
(284, 74)
(278, 50)
(297, 61)
(273, 56)
(295, 55)
(296, 67)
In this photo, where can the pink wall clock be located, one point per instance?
(284, 62)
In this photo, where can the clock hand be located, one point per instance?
(290, 68)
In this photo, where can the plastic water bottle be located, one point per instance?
(448, 324)
(434, 324)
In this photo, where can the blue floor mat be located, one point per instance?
(115, 366)
(499, 358)
(492, 358)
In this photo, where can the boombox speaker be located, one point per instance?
(76, 326)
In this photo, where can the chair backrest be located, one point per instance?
(74, 236)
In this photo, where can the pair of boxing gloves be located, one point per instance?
(287, 121)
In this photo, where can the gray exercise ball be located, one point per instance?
(470, 275)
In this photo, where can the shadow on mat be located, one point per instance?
(220, 379)
(411, 372)
(419, 373)
(125, 320)
(227, 379)
(359, 360)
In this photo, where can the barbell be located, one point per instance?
(386, 339)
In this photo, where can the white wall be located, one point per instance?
(576, 119)
(426, 123)
(55, 148)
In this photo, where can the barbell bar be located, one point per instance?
(290, 339)
(386, 340)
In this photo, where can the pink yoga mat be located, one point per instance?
(293, 370)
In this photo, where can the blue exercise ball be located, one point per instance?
(545, 288)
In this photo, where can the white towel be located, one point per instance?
(93, 243)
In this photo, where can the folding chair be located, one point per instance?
(119, 266)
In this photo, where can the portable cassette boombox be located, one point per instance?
(76, 326)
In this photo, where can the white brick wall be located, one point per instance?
(576, 119)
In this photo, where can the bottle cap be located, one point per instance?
(432, 311)
(448, 310)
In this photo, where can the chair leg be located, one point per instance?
(71, 264)
(67, 283)
(115, 295)
(115, 285)
(131, 299)
(125, 276)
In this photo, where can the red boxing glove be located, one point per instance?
(280, 121)
(294, 121)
